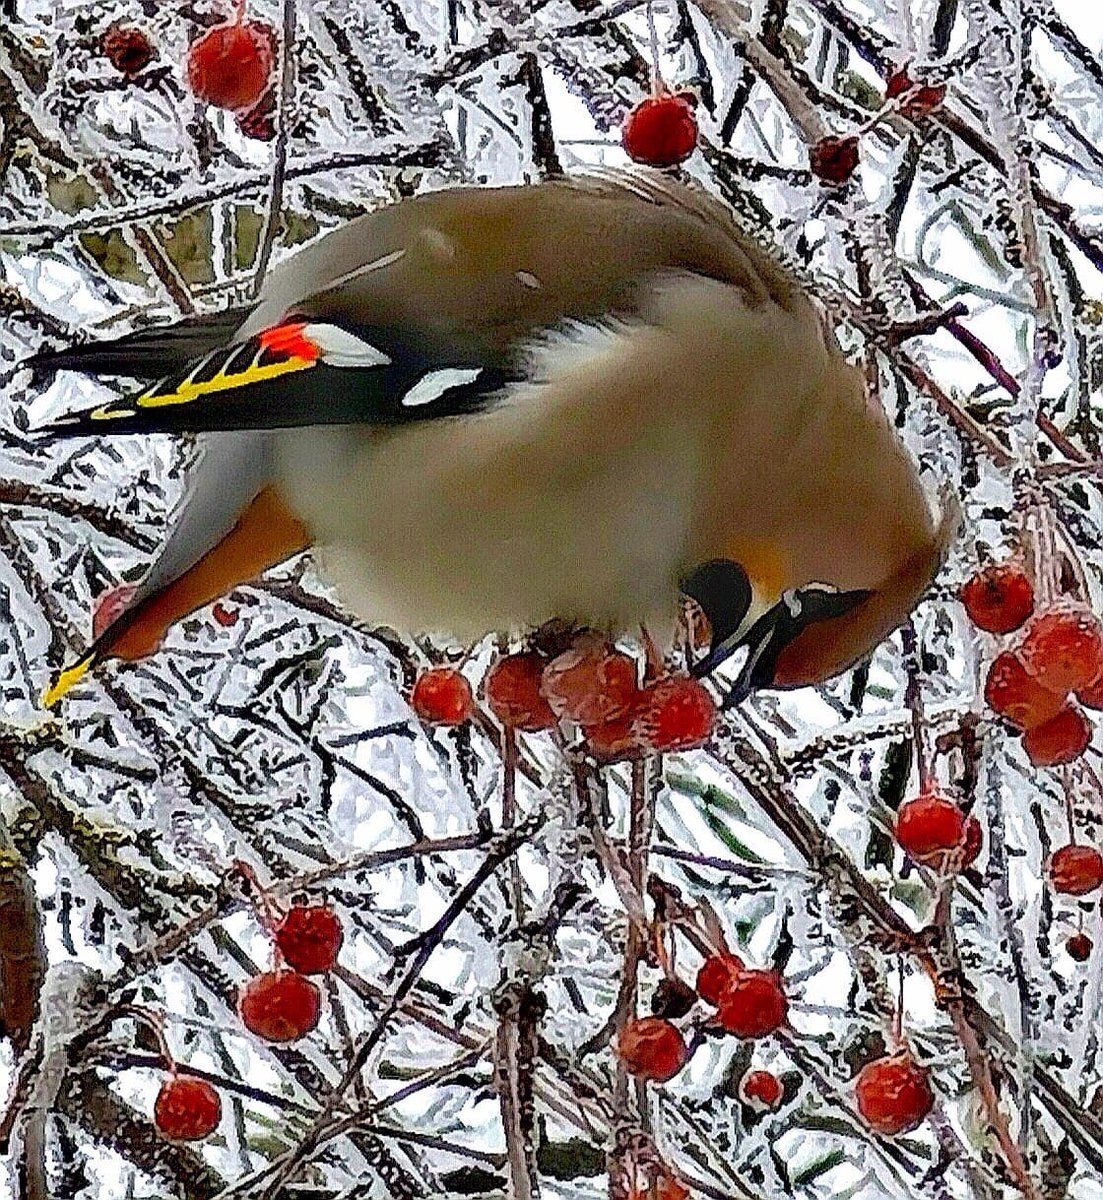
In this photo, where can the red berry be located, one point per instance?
(1014, 693)
(1079, 947)
(230, 66)
(1060, 740)
(127, 48)
(1092, 695)
(929, 828)
(309, 937)
(442, 696)
(614, 739)
(226, 617)
(280, 1006)
(651, 1048)
(675, 714)
(762, 1089)
(894, 1094)
(834, 159)
(187, 1108)
(661, 131)
(974, 841)
(753, 1005)
(1076, 870)
(591, 683)
(513, 693)
(926, 98)
(110, 607)
(999, 598)
(1063, 648)
(717, 975)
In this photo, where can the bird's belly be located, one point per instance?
(421, 549)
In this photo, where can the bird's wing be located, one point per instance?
(424, 308)
(292, 374)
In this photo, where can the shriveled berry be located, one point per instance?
(110, 606)
(661, 131)
(1076, 870)
(127, 48)
(762, 1089)
(753, 1005)
(1060, 740)
(834, 159)
(442, 696)
(591, 683)
(309, 937)
(716, 976)
(672, 999)
(513, 693)
(676, 713)
(925, 99)
(974, 841)
(651, 1048)
(1079, 947)
(187, 1108)
(226, 617)
(894, 1094)
(1014, 693)
(999, 598)
(1063, 648)
(230, 66)
(930, 828)
(280, 1006)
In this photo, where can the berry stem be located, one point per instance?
(1070, 816)
(898, 1014)
(913, 698)
(658, 87)
(267, 909)
(155, 1023)
(509, 814)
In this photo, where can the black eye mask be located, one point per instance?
(723, 591)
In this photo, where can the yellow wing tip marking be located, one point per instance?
(107, 413)
(226, 383)
(67, 680)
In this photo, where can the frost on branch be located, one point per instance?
(513, 910)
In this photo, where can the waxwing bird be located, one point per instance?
(486, 408)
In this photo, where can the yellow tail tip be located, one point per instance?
(67, 680)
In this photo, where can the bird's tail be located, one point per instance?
(267, 533)
(147, 354)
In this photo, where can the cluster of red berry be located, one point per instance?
(230, 66)
(892, 1093)
(661, 131)
(1059, 655)
(1076, 870)
(590, 684)
(279, 1006)
(835, 159)
(750, 1004)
